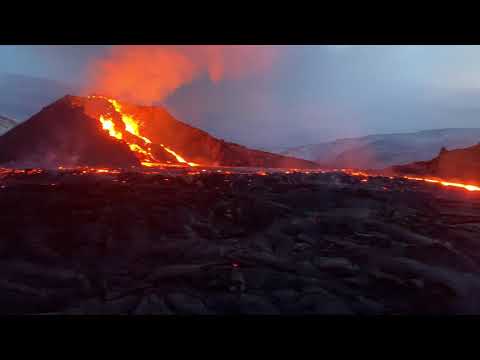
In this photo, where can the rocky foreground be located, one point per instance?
(216, 243)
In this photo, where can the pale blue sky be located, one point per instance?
(310, 94)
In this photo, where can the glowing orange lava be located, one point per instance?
(108, 125)
(141, 147)
(435, 181)
(446, 183)
(178, 157)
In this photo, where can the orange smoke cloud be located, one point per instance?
(144, 74)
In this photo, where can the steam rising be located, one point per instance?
(145, 74)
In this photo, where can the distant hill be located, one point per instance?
(380, 151)
(6, 124)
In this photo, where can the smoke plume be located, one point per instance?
(146, 74)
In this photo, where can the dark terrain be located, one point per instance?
(235, 243)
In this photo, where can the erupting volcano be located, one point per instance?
(100, 131)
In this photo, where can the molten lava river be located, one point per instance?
(137, 143)
(435, 181)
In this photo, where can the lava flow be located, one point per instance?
(435, 181)
(142, 145)
(446, 183)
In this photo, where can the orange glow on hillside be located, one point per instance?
(141, 147)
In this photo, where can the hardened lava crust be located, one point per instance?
(192, 241)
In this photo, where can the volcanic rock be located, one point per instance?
(152, 305)
(185, 304)
(77, 248)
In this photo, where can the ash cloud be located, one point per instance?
(148, 74)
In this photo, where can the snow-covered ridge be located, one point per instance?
(378, 151)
